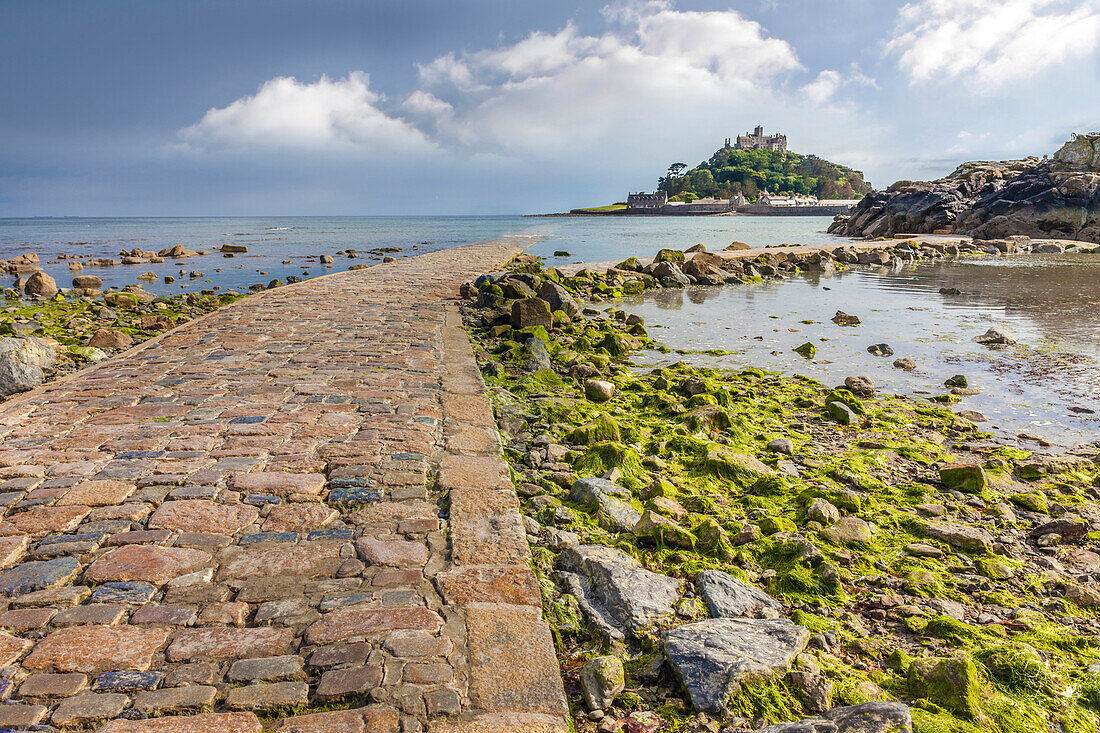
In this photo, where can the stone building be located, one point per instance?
(757, 140)
(644, 200)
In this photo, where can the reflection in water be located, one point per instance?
(1047, 384)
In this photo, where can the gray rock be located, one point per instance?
(25, 363)
(781, 445)
(714, 656)
(558, 298)
(42, 284)
(996, 336)
(592, 492)
(598, 390)
(842, 413)
(1049, 248)
(867, 717)
(728, 597)
(960, 536)
(823, 511)
(538, 358)
(618, 590)
(880, 350)
(670, 271)
(602, 679)
(906, 364)
(862, 386)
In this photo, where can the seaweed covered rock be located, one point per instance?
(728, 597)
(713, 657)
(951, 683)
(614, 591)
(602, 679)
(867, 717)
(531, 312)
(25, 363)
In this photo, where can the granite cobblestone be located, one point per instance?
(243, 516)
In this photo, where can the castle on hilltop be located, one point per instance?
(757, 140)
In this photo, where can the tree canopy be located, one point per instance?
(729, 172)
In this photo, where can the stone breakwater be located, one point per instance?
(288, 514)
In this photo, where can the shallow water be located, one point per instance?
(1050, 302)
(273, 240)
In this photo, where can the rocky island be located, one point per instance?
(1057, 198)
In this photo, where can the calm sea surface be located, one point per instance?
(1048, 384)
(1052, 303)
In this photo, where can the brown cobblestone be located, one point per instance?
(204, 723)
(92, 649)
(198, 515)
(229, 643)
(151, 563)
(310, 393)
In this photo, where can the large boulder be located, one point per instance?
(615, 592)
(713, 657)
(531, 312)
(611, 501)
(87, 282)
(558, 298)
(109, 338)
(867, 717)
(39, 283)
(728, 597)
(25, 363)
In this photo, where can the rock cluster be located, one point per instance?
(1056, 199)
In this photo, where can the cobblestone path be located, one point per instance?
(291, 514)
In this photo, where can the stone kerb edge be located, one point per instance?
(512, 664)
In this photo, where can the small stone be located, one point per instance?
(713, 657)
(92, 649)
(45, 684)
(860, 386)
(203, 723)
(267, 696)
(968, 477)
(849, 530)
(36, 576)
(880, 350)
(394, 553)
(598, 390)
(127, 681)
(905, 364)
(728, 597)
(229, 643)
(338, 683)
(176, 699)
(781, 445)
(110, 338)
(602, 679)
(89, 708)
(345, 623)
(150, 563)
(266, 669)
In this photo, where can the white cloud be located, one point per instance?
(286, 113)
(652, 69)
(655, 84)
(988, 44)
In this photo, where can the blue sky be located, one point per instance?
(215, 107)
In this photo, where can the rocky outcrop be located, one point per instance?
(616, 594)
(713, 657)
(868, 717)
(1057, 198)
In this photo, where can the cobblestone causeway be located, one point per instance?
(237, 526)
